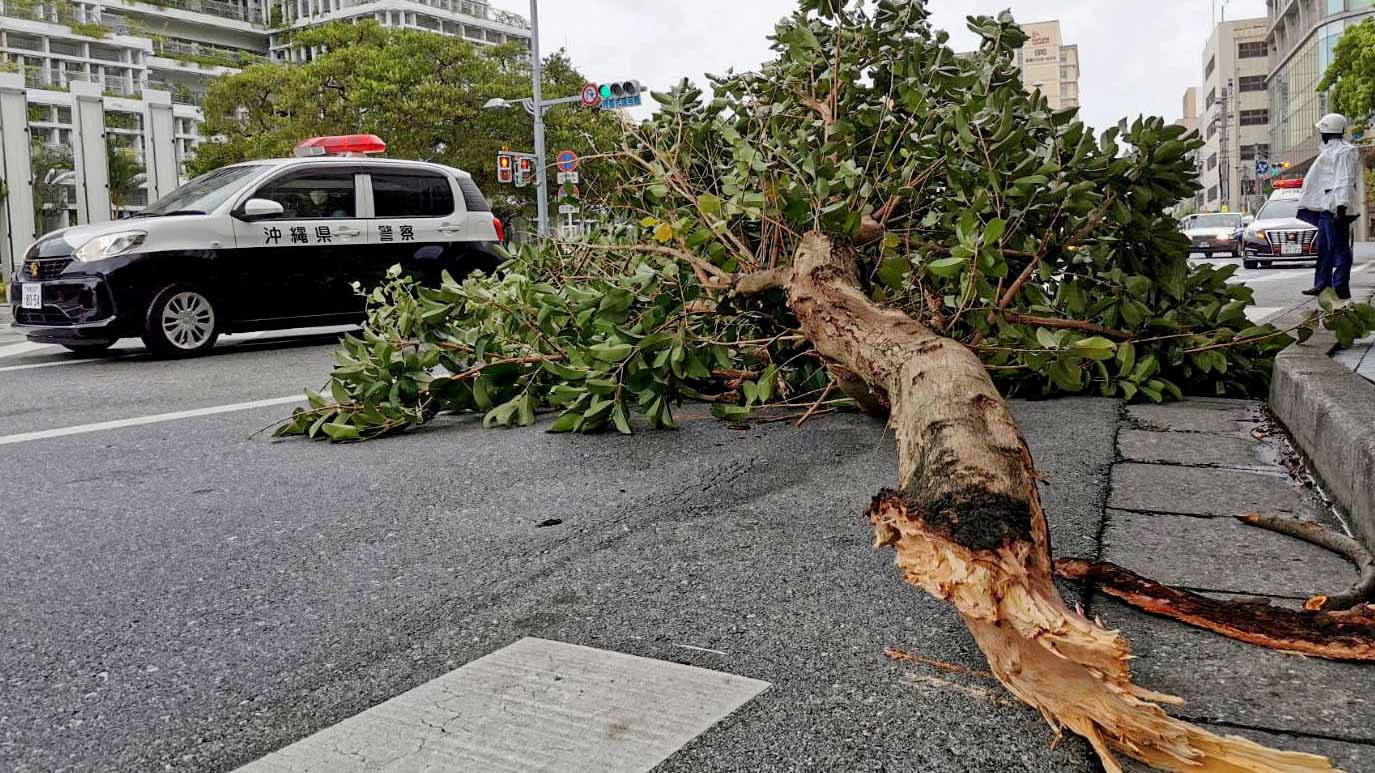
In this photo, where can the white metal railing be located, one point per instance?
(205, 53)
(181, 94)
(475, 10)
(219, 8)
(54, 78)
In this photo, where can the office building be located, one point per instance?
(1301, 36)
(1234, 118)
(1050, 65)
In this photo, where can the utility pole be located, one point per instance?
(537, 75)
(1224, 166)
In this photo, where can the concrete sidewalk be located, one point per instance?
(1184, 470)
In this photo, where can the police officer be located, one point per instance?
(1328, 202)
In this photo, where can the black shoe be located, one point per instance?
(1313, 291)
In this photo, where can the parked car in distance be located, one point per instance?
(1277, 235)
(1212, 233)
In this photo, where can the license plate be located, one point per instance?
(1291, 249)
(32, 295)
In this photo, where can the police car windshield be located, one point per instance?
(204, 193)
(1216, 221)
(1279, 210)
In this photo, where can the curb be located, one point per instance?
(1330, 412)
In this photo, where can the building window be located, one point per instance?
(1212, 162)
(1212, 129)
(1255, 117)
(1252, 50)
(1212, 193)
(1251, 83)
(1210, 99)
(1212, 65)
(1247, 152)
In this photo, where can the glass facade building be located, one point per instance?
(1301, 39)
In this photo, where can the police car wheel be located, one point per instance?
(1251, 263)
(181, 322)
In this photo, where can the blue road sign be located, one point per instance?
(1262, 167)
(567, 161)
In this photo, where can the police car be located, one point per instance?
(255, 246)
(1278, 235)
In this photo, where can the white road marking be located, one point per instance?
(32, 365)
(81, 429)
(535, 705)
(22, 348)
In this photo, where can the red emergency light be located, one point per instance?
(1296, 182)
(342, 145)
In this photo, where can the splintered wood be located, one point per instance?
(967, 526)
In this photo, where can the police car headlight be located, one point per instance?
(109, 246)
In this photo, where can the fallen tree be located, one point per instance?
(875, 215)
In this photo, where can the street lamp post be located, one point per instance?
(536, 107)
(537, 75)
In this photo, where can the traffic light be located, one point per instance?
(525, 169)
(620, 94)
(505, 168)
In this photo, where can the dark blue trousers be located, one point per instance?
(1334, 250)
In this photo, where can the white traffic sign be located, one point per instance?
(568, 209)
(568, 178)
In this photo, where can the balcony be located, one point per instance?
(205, 54)
(475, 10)
(181, 93)
(219, 8)
(55, 79)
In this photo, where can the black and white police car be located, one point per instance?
(261, 245)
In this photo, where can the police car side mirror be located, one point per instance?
(257, 209)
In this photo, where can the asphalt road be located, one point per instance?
(182, 595)
(1278, 290)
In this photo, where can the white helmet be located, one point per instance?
(1333, 123)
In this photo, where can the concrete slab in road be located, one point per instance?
(1194, 448)
(533, 706)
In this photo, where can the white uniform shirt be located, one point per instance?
(1333, 179)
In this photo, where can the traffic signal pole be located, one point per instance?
(537, 75)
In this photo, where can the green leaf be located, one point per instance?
(342, 433)
(1096, 348)
(1047, 339)
(1126, 357)
(946, 267)
(619, 418)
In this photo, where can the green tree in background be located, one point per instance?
(126, 175)
(52, 168)
(1352, 74)
(421, 92)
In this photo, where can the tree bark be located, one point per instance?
(1335, 635)
(1344, 546)
(968, 527)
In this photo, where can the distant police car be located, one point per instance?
(1277, 234)
(254, 246)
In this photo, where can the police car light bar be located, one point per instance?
(1296, 182)
(342, 145)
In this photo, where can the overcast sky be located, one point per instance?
(1137, 56)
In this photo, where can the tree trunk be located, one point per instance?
(968, 527)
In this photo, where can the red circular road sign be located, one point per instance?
(591, 95)
(567, 161)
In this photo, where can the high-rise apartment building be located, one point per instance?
(128, 48)
(1188, 117)
(1300, 38)
(1050, 65)
(1234, 118)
